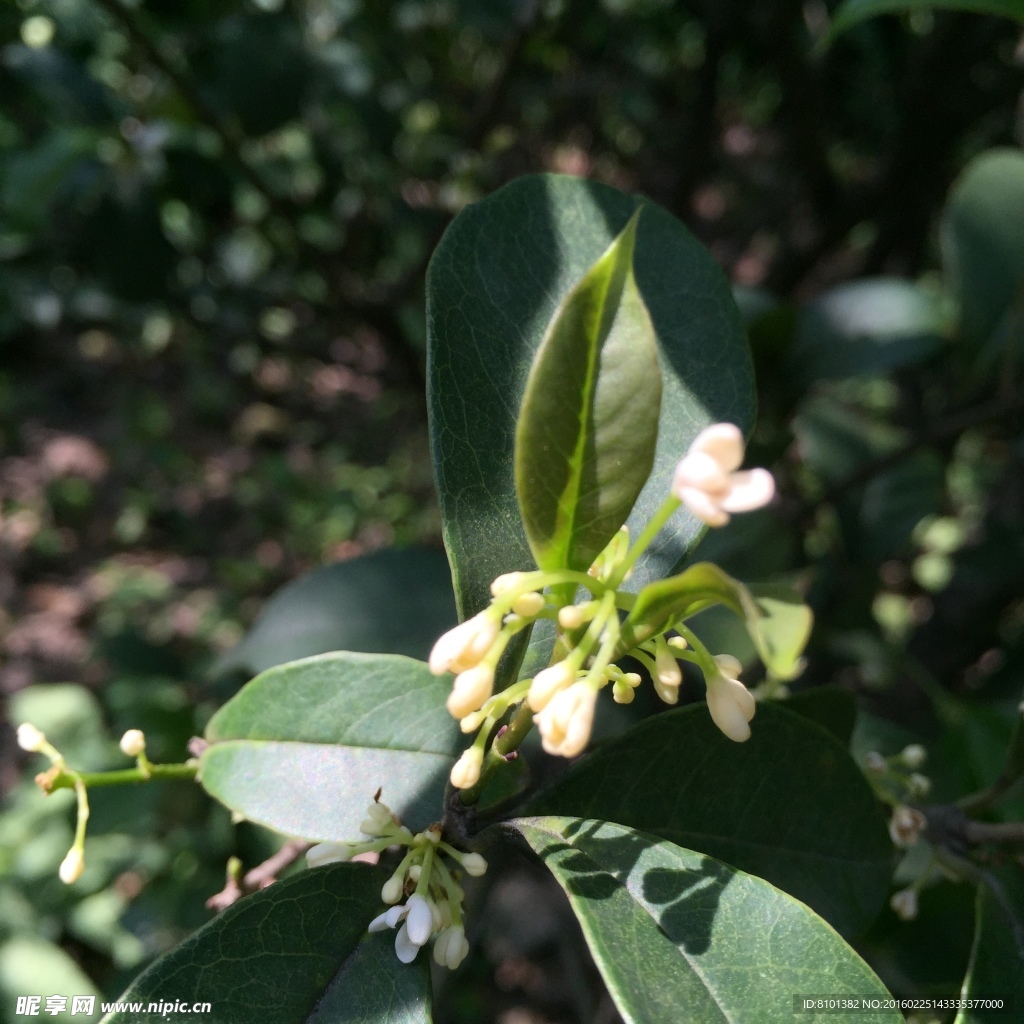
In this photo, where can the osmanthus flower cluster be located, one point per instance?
(591, 637)
(426, 879)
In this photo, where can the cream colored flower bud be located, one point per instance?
(731, 704)
(904, 903)
(667, 668)
(547, 683)
(393, 889)
(379, 820)
(470, 689)
(133, 742)
(914, 755)
(328, 853)
(30, 738)
(571, 616)
(472, 722)
(919, 785)
(464, 646)
(451, 947)
(622, 692)
(678, 642)
(566, 720)
(874, 762)
(505, 582)
(466, 771)
(906, 825)
(529, 604)
(72, 866)
(473, 864)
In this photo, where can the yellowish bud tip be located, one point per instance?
(133, 743)
(506, 581)
(30, 738)
(72, 866)
(571, 616)
(466, 771)
(529, 604)
(473, 864)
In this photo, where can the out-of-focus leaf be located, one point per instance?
(851, 12)
(303, 747)
(32, 967)
(388, 602)
(832, 708)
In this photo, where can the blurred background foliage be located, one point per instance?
(215, 221)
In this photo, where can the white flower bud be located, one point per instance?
(466, 771)
(906, 825)
(566, 720)
(473, 864)
(904, 903)
(919, 785)
(571, 616)
(874, 762)
(72, 866)
(133, 743)
(506, 581)
(667, 668)
(464, 646)
(328, 853)
(678, 642)
(472, 721)
(731, 704)
(30, 738)
(457, 948)
(393, 889)
(548, 682)
(470, 689)
(622, 692)
(436, 916)
(419, 920)
(914, 755)
(415, 871)
(529, 604)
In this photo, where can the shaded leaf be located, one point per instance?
(493, 285)
(388, 602)
(304, 747)
(767, 806)
(832, 708)
(670, 928)
(588, 424)
(854, 11)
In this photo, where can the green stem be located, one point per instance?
(522, 722)
(650, 531)
(83, 812)
(67, 779)
(707, 663)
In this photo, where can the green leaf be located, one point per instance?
(588, 424)
(767, 806)
(983, 239)
(777, 619)
(502, 269)
(291, 953)
(304, 747)
(854, 11)
(671, 929)
(832, 708)
(388, 602)
(996, 968)
(865, 327)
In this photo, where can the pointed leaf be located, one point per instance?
(588, 424)
(672, 929)
(304, 747)
(767, 806)
(777, 619)
(387, 602)
(291, 954)
(494, 283)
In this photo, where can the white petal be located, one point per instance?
(700, 470)
(742, 698)
(394, 915)
(703, 506)
(729, 666)
(749, 490)
(723, 442)
(420, 921)
(328, 853)
(405, 948)
(380, 923)
(726, 713)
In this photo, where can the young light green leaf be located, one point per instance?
(291, 954)
(304, 747)
(671, 929)
(852, 12)
(776, 617)
(766, 806)
(494, 284)
(588, 425)
(387, 602)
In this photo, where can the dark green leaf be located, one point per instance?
(776, 617)
(672, 929)
(304, 747)
(288, 954)
(854, 11)
(767, 806)
(493, 285)
(388, 602)
(832, 708)
(866, 327)
(983, 239)
(588, 425)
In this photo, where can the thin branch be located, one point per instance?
(259, 877)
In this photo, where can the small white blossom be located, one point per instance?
(906, 825)
(328, 853)
(914, 755)
(731, 704)
(566, 720)
(874, 762)
(30, 738)
(417, 921)
(904, 903)
(473, 864)
(466, 771)
(707, 480)
(547, 683)
(451, 947)
(470, 690)
(464, 646)
(72, 866)
(133, 742)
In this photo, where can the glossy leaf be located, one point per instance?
(777, 619)
(588, 425)
(832, 708)
(494, 283)
(671, 929)
(852, 12)
(286, 954)
(304, 747)
(767, 806)
(866, 327)
(983, 241)
(388, 602)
